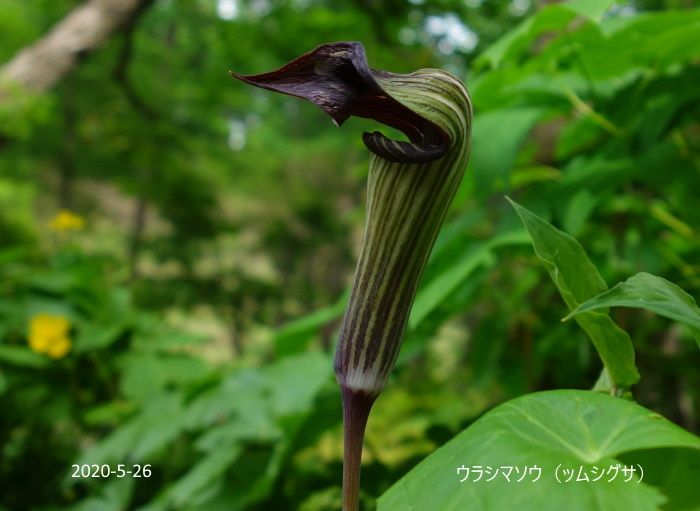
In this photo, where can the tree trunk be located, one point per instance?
(87, 27)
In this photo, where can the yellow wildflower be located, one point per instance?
(48, 334)
(67, 221)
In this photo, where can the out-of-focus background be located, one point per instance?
(175, 247)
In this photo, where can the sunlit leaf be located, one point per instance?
(594, 9)
(645, 291)
(578, 280)
(442, 285)
(495, 148)
(22, 356)
(564, 429)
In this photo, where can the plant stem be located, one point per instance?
(410, 186)
(356, 408)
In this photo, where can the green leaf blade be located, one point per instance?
(650, 292)
(578, 280)
(567, 428)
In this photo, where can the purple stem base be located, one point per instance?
(356, 408)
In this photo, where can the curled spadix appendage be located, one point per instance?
(410, 187)
(336, 77)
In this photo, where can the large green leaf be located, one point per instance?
(564, 429)
(293, 337)
(439, 288)
(495, 149)
(111, 495)
(256, 406)
(646, 291)
(97, 336)
(147, 374)
(22, 356)
(140, 438)
(200, 479)
(436, 291)
(593, 9)
(578, 280)
(549, 19)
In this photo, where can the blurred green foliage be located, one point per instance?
(221, 227)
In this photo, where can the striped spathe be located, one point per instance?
(410, 187)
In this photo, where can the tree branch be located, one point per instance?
(121, 73)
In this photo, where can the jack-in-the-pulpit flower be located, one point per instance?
(410, 187)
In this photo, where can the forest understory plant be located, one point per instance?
(410, 187)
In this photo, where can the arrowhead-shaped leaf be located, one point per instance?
(578, 280)
(646, 291)
(564, 429)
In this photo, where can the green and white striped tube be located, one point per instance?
(411, 185)
(406, 205)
